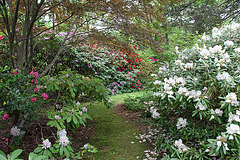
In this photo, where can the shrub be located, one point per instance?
(196, 99)
(72, 87)
(113, 66)
(20, 93)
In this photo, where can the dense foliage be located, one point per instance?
(195, 104)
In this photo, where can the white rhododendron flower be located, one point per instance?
(170, 81)
(157, 93)
(205, 37)
(181, 123)
(183, 90)
(234, 117)
(181, 147)
(179, 81)
(237, 50)
(178, 62)
(228, 43)
(153, 75)
(232, 98)
(205, 52)
(15, 131)
(217, 112)
(216, 49)
(225, 76)
(216, 33)
(62, 132)
(157, 82)
(201, 107)
(46, 144)
(63, 141)
(154, 112)
(233, 129)
(189, 65)
(168, 89)
(222, 140)
(194, 94)
(162, 69)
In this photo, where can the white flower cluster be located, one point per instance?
(233, 129)
(194, 94)
(228, 43)
(187, 66)
(15, 131)
(225, 76)
(63, 139)
(46, 144)
(181, 123)
(234, 117)
(217, 112)
(232, 99)
(201, 107)
(162, 70)
(154, 112)
(222, 140)
(175, 81)
(181, 147)
(183, 91)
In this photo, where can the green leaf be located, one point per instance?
(37, 150)
(2, 153)
(69, 119)
(40, 158)
(75, 119)
(53, 150)
(66, 151)
(50, 123)
(15, 154)
(2, 157)
(69, 148)
(61, 151)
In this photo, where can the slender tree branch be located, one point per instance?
(49, 9)
(3, 31)
(46, 29)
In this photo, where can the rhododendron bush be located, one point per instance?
(20, 93)
(196, 99)
(118, 68)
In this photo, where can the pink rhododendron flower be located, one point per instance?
(36, 89)
(15, 71)
(34, 99)
(5, 117)
(35, 74)
(36, 81)
(45, 96)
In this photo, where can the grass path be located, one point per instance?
(113, 136)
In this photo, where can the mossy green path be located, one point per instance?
(113, 136)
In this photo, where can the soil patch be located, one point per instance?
(37, 130)
(133, 117)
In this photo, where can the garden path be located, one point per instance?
(115, 132)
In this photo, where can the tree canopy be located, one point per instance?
(22, 21)
(202, 15)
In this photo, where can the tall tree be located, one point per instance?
(202, 15)
(27, 17)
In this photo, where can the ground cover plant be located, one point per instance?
(195, 104)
